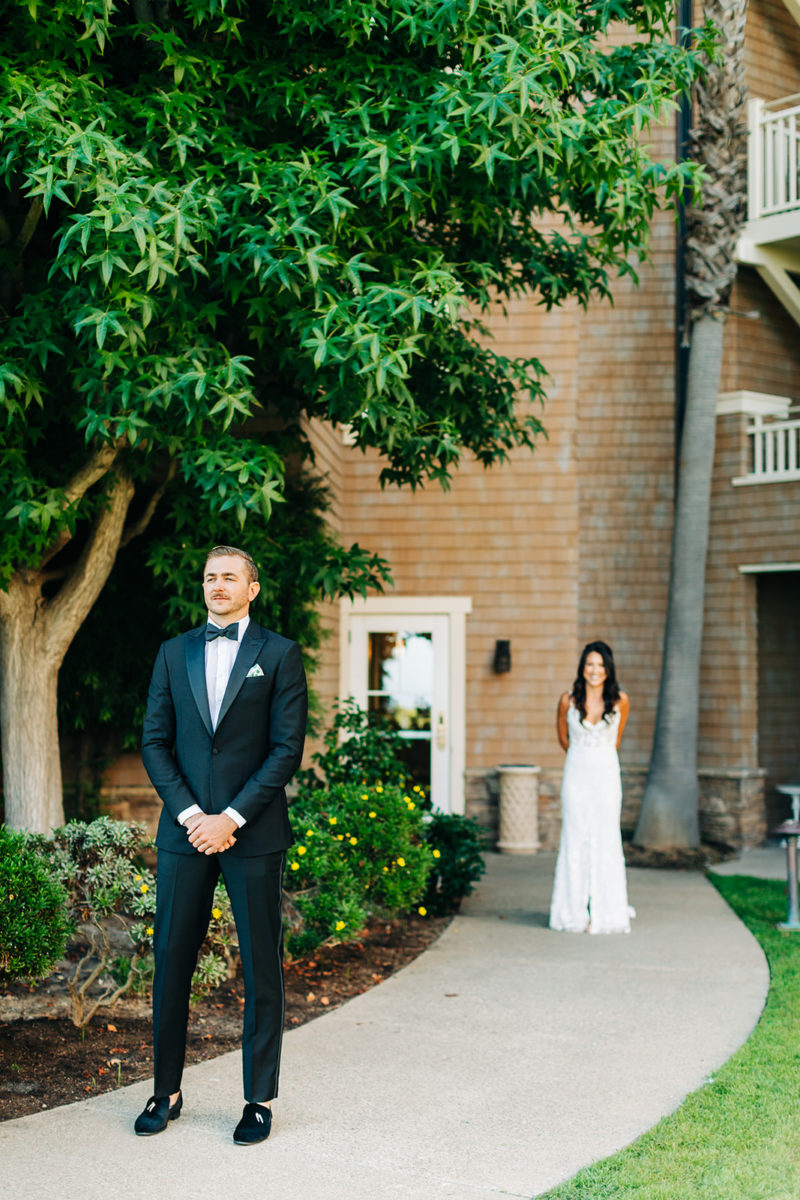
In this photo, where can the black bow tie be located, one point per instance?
(230, 631)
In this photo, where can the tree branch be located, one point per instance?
(92, 470)
(68, 610)
(56, 573)
(133, 530)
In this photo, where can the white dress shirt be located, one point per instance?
(220, 657)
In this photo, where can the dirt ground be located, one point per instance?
(45, 1061)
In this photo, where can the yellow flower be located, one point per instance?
(353, 841)
(295, 866)
(379, 790)
(408, 800)
(137, 878)
(365, 795)
(11, 895)
(411, 805)
(339, 926)
(437, 854)
(144, 888)
(332, 821)
(372, 814)
(309, 833)
(301, 850)
(385, 870)
(422, 910)
(149, 931)
(340, 837)
(401, 862)
(416, 788)
(216, 913)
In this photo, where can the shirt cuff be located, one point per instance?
(235, 816)
(188, 812)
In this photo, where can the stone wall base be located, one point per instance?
(732, 805)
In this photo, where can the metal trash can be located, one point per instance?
(519, 809)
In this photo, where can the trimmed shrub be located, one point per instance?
(360, 850)
(455, 843)
(34, 925)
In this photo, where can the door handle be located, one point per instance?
(441, 731)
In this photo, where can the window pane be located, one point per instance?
(401, 679)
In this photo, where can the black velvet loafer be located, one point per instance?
(254, 1126)
(157, 1115)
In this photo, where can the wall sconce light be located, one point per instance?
(502, 657)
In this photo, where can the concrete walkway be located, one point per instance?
(497, 1064)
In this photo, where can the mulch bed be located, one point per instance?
(45, 1061)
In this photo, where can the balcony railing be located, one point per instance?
(773, 159)
(775, 447)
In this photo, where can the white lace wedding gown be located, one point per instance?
(590, 890)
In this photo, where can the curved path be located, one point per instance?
(497, 1064)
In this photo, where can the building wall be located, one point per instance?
(772, 50)
(326, 444)
(749, 525)
(625, 431)
(507, 538)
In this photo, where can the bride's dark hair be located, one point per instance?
(611, 691)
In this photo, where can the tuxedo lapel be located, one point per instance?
(253, 640)
(196, 670)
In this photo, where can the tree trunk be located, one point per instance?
(35, 634)
(28, 720)
(669, 817)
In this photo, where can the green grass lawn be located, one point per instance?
(738, 1137)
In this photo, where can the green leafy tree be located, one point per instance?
(215, 209)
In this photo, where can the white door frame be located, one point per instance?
(455, 608)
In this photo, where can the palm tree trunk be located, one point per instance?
(669, 816)
(669, 810)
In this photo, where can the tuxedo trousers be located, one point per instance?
(184, 899)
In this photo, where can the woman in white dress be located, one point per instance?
(590, 893)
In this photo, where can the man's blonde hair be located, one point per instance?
(222, 551)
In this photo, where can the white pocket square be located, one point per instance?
(254, 672)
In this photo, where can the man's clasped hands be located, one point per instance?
(211, 833)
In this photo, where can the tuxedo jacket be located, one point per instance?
(252, 754)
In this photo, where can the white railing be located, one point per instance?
(775, 443)
(773, 159)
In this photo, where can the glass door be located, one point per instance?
(399, 669)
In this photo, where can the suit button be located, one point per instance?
(215, 750)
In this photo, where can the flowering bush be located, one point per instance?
(360, 850)
(34, 925)
(362, 773)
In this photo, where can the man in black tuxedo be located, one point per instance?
(223, 735)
